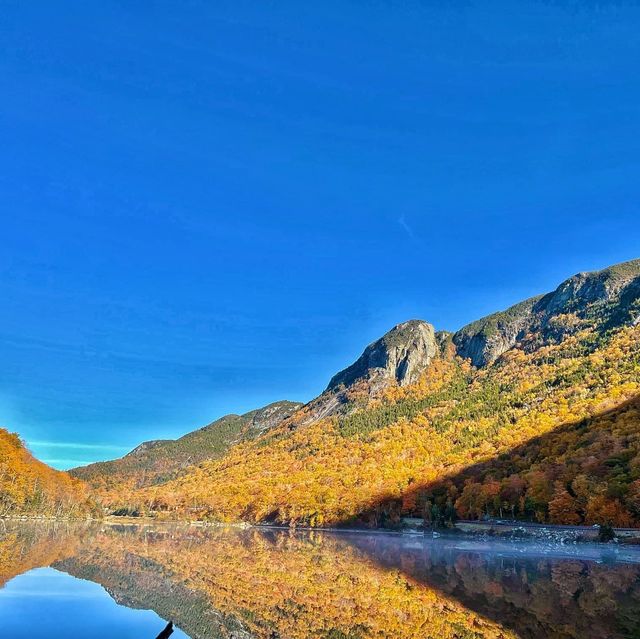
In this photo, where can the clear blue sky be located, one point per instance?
(208, 206)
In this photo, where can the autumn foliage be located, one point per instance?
(29, 487)
(549, 434)
(281, 586)
(226, 582)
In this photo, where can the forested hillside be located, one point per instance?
(233, 583)
(29, 487)
(533, 412)
(545, 427)
(156, 461)
(24, 547)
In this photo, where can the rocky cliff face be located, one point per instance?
(265, 418)
(398, 357)
(604, 298)
(401, 355)
(486, 339)
(600, 300)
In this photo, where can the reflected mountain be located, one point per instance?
(237, 584)
(136, 580)
(24, 546)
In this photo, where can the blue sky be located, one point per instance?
(208, 206)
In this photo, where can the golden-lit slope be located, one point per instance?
(529, 413)
(157, 461)
(227, 582)
(29, 487)
(390, 456)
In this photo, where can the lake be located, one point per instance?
(72, 581)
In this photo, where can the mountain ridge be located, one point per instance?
(399, 354)
(161, 459)
(484, 340)
(429, 402)
(373, 444)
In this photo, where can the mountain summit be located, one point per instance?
(401, 355)
(533, 411)
(605, 299)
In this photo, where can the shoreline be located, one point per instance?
(471, 529)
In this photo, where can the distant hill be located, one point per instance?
(29, 487)
(156, 461)
(530, 412)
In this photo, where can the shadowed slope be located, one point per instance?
(267, 584)
(270, 585)
(535, 591)
(583, 472)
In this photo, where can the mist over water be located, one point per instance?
(99, 580)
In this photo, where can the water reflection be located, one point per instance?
(264, 583)
(535, 589)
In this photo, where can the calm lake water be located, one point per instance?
(124, 581)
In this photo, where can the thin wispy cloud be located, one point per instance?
(402, 221)
(65, 455)
(408, 229)
(65, 464)
(77, 445)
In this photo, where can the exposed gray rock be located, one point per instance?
(607, 298)
(401, 355)
(602, 299)
(271, 415)
(147, 446)
(443, 339)
(484, 340)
